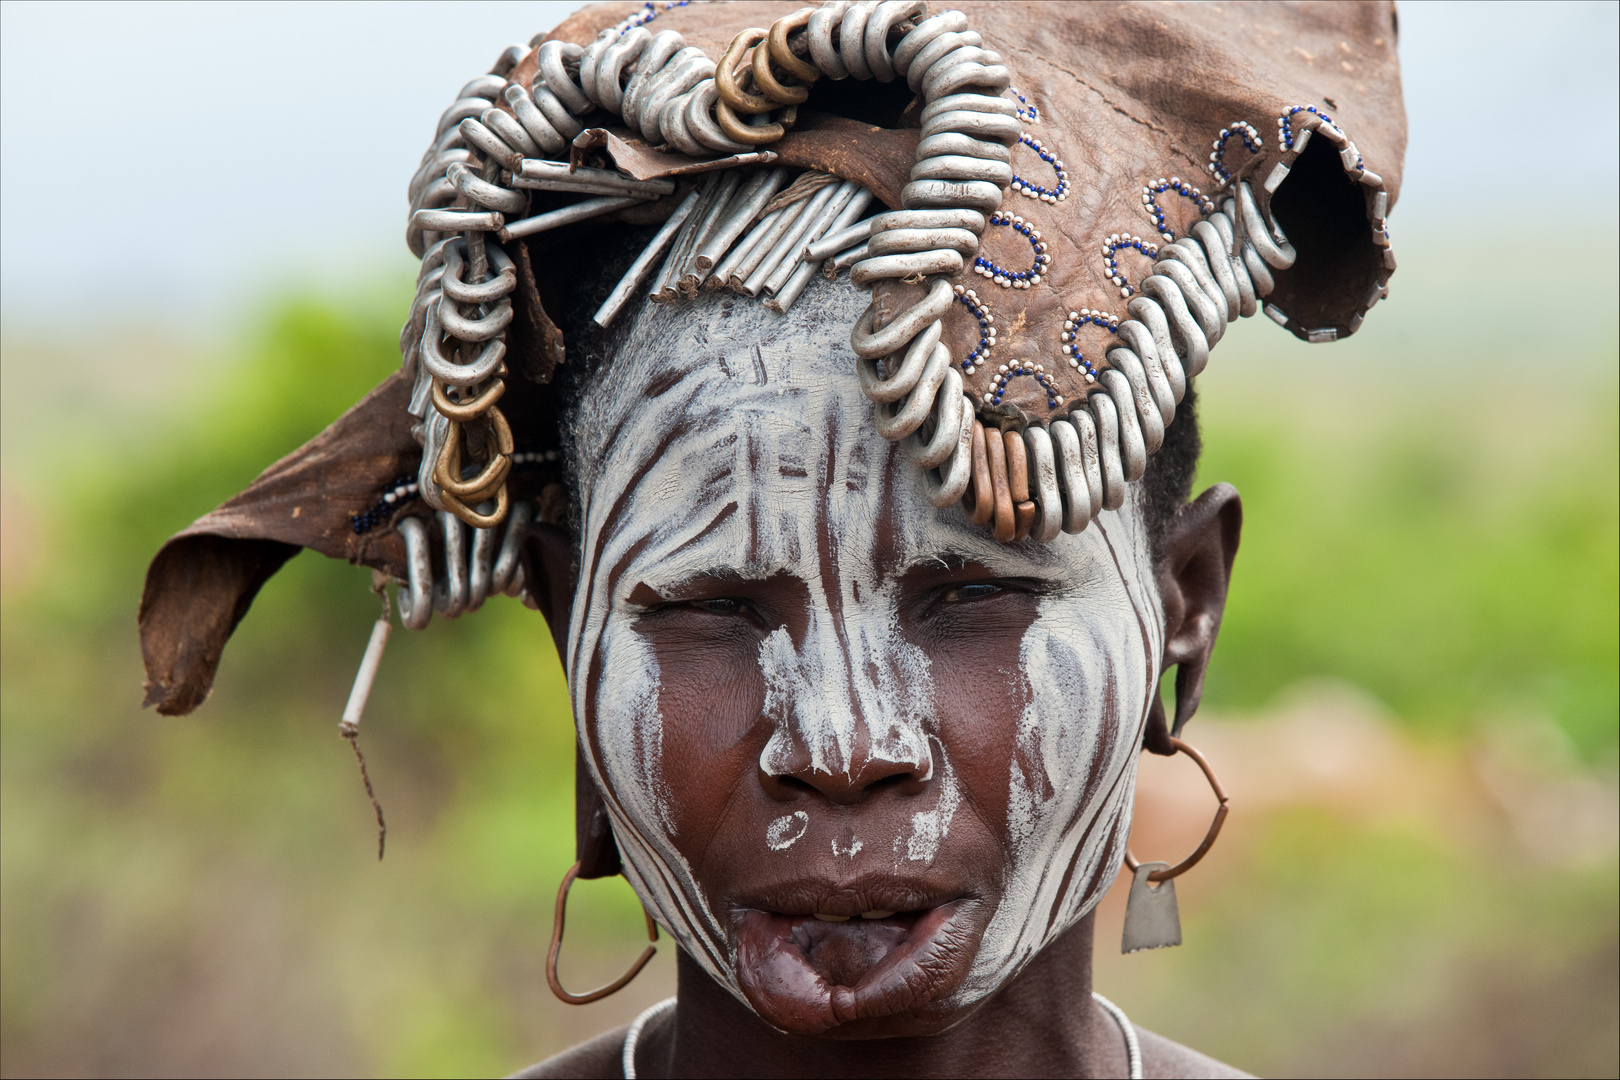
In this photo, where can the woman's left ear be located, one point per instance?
(1193, 578)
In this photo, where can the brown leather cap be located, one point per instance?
(1124, 95)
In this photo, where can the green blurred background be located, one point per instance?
(1413, 704)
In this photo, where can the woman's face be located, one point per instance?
(861, 760)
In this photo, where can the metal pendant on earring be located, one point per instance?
(1151, 918)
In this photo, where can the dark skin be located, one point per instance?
(1035, 1025)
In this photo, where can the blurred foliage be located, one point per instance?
(197, 896)
(1450, 550)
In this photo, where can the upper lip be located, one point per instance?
(850, 896)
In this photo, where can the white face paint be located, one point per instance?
(722, 440)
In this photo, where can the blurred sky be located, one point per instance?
(213, 150)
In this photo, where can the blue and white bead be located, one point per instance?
(1071, 337)
(1028, 113)
(395, 495)
(1018, 368)
(648, 13)
(1288, 136)
(1251, 142)
(1285, 123)
(536, 457)
(1015, 279)
(987, 329)
(1115, 243)
(1035, 191)
(1150, 202)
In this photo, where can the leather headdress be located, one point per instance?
(1078, 198)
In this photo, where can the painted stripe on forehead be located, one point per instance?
(595, 538)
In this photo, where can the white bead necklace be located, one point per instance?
(1133, 1049)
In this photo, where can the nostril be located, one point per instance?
(793, 785)
(894, 780)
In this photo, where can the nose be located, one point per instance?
(900, 761)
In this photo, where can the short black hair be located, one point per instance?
(1164, 488)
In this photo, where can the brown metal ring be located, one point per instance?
(984, 496)
(473, 517)
(447, 469)
(477, 489)
(556, 949)
(773, 87)
(782, 53)
(1214, 826)
(996, 453)
(1017, 467)
(744, 133)
(1024, 521)
(466, 410)
(725, 75)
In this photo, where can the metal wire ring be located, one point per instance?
(442, 367)
(675, 80)
(673, 126)
(1214, 826)
(783, 54)
(737, 131)
(899, 383)
(871, 344)
(590, 58)
(473, 517)
(463, 292)
(659, 51)
(447, 469)
(416, 599)
(773, 87)
(923, 34)
(615, 58)
(460, 326)
(947, 418)
(642, 91)
(725, 75)
(823, 21)
(958, 470)
(852, 38)
(466, 410)
(876, 34)
(917, 405)
(700, 121)
(616, 985)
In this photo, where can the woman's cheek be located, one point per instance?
(981, 692)
(709, 698)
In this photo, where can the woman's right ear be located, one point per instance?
(548, 568)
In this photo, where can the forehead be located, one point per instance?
(720, 436)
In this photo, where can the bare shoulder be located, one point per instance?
(1163, 1058)
(597, 1059)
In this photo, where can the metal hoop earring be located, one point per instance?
(1151, 918)
(556, 948)
(1158, 876)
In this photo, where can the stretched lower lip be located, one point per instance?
(795, 969)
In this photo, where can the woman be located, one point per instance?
(863, 584)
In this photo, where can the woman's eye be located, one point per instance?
(971, 592)
(721, 606)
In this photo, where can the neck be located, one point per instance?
(1043, 1023)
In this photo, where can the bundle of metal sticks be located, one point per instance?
(747, 234)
